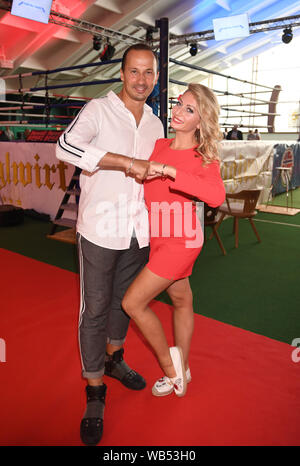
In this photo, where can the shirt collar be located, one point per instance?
(115, 100)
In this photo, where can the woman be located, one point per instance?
(181, 169)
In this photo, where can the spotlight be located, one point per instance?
(149, 33)
(287, 35)
(193, 49)
(97, 43)
(108, 52)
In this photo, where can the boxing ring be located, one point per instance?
(31, 176)
(45, 110)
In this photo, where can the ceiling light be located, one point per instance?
(287, 35)
(107, 53)
(193, 49)
(97, 43)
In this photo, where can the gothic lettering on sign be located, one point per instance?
(27, 174)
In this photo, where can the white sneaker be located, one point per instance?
(188, 375)
(179, 381)
(164, 386)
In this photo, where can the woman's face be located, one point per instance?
(185, 115)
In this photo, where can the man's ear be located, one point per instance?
(157, 76)
(121, 75)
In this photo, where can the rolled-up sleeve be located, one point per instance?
(206, 185)
(76, 145)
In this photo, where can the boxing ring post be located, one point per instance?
(163, 24)
(272, 108)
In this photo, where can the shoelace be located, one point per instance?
(165, 381)
(96, 398)
(131, 374)
(87, 421)
(177, 383)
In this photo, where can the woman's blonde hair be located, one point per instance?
(209, 135)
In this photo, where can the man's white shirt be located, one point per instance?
(111, 204)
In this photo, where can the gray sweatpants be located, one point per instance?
(105, 275)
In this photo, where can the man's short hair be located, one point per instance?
(139, 46)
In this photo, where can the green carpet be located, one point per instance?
(293, 199)
(30, 240)
(254, 287)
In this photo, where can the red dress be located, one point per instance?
(176, 236)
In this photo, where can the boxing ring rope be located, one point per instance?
(253, 100)
(61, 86)
(217, 73)
(183, 83)
(248, 111)
(48, 119)
(66, 68)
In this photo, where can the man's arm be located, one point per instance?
(131, 166)
(74, 147)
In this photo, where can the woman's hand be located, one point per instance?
(157, 169)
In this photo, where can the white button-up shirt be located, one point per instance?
(111, 204)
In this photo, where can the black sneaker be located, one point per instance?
(116, 367)
(91, 428)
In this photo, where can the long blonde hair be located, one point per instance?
(209, 135)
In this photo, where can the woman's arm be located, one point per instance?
(157, 169)
(206, 184)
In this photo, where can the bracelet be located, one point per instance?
(128, 170)
(163, 171)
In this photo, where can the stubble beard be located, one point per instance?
(141, 97)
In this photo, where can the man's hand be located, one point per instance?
(155, 170)
(140, 169)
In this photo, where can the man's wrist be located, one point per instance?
(128, 169)
(116, 161)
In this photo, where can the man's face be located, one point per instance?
(140, 74)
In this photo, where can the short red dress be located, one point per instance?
(176, 236)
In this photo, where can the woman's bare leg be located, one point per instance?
(183, 317)
(144, 288)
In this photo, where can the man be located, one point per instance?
(251, 135)
(110, 139)
(235, 134)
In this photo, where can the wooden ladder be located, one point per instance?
(67, 235)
